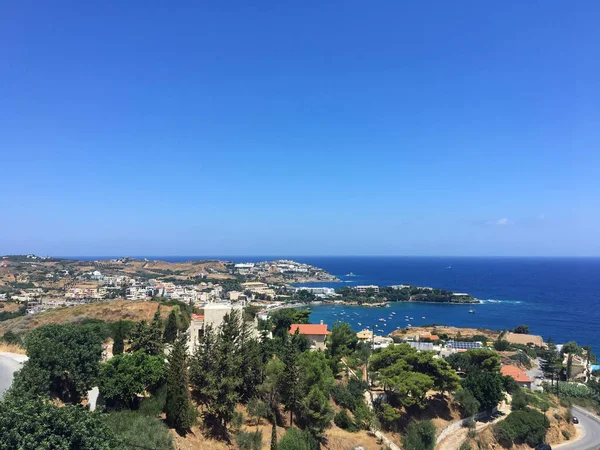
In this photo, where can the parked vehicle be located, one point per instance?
(575, 420)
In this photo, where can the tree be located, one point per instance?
(147, 337)
(551, 362)
(138, 431)
(119, 339)
(316, 413)
(34, 424)
(419, 436)
(519, 400)
(569, 366)
(290, 380)
(523, 426)
(315, 372)
(259, 409)
(521, 329)
(469, 405)
(341, 342)
(274, 433)
(171, 329)
(125, 376)
(295, 439)
(178, 408)
(344, 421)
(572, 348)
(486, 388)
(273, 381)
(64, 360)
(501, 345)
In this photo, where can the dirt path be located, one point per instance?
(455, 440)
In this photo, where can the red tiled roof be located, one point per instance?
(197, 317)
(516, 373)
(309, 328)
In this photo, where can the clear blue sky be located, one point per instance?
(342, 127)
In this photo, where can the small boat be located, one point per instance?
(382, 320)
(423, 317)
(471, 311)
(409, 325)
(350, 274)
(411, 318)
(359, 324)
(393, 313)
(407, 319)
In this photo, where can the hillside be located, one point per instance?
(109, 311)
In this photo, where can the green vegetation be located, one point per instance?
(411, 293)
(419, 436)
(36, 424)
(521, 329)
(6, 315)
(64, 360)
(522, 426)
(180, 413)
(295, 439)
(137, 431)
(344, 421)
(126, 376)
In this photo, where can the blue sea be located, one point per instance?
(556, 297)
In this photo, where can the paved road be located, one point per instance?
(535, 374)
(8, 365)
(589, 425)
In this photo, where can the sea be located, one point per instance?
(555, 297)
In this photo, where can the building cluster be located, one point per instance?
(283, 267)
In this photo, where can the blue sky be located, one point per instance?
(437, 128)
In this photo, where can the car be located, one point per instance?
(575, 420)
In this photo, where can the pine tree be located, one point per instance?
(316, 412)
(170, 333)
(178, 408)
(274, 434)
(551, 363)
(290, 383)
(569, 366)
(203, 367)
(118, 342)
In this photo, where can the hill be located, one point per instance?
(108, 311)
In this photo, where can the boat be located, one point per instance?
(359, 324)
(394, 313)
(382, 320)
(471, 311)
(423, 317)
(411, 318)
(350, 274)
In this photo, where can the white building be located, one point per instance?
(363, 289)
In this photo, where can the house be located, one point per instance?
(517, 374)
(316, 333)
(363, 289)
(214, 315)
(364, 335)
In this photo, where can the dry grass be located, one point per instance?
(450, 331)
(109, 311)
(9, 306)
(11, 348)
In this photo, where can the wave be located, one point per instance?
(509, 302)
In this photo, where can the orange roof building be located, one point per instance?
(517, 374)
(316, 333)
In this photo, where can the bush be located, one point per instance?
(501, 345)
(510, 384)
(469, 423)
(519, 400)
(136, 430)
(465, 446)
(363, 417)
(558, 417)
(153, 406)
(295, 439)
(472, 434)
(350, 395)
(525, 426)
(344, 421)
(248, 441)
(469, 405)
(419, 436)
(566, 434)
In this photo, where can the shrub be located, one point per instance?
(153, 406)
(295, 439)
(344, 421)
(525, 426)
(136, 430)
(419, 436)
(248, 441)
(510, 384)
(558, 417)
(501, 345)
(363, 417)
(566, 434)
(465, 446)
(469, 405)
(472, 434)
(519, 400)
(469, 423)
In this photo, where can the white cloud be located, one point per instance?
(501, 222)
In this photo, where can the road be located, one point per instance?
(535, 373)
(589, 427)
(9, 364)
